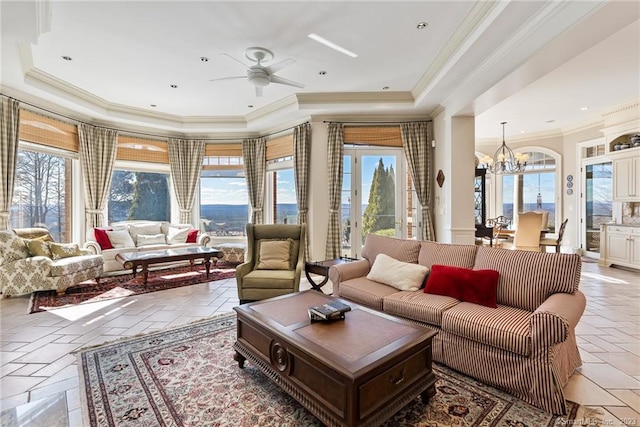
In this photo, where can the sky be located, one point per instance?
(545, 186)
(233, 191)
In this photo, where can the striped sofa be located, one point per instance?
(526, 346)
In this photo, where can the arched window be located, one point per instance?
(535, 189)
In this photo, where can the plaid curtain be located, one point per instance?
(255, 166)
(9, 121)
(185, 158)
(335, 149)
(301, 150)
(97, 151)
(417, 150)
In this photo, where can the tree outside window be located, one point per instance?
(380, 213)
(41, 196)
(139, 196)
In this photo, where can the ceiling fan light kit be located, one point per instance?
(259, 75)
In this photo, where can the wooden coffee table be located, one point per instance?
(144, 259)
(353, 372)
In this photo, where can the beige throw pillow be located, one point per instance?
(38, 247)
(404, 276)
(151, 239)
(64, 250)
(120, 239)
(145, 228)
(274, 255)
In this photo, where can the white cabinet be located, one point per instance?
(620, 245)
(626, 179)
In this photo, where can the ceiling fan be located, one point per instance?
(260, 75)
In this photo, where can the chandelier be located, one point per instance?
(504, 162)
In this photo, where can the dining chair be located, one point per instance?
(502, 233)
(492, 230)
(545, 219)
(554, 242)
(527, 235)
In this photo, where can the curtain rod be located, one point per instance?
(377, 123)
(126, 132)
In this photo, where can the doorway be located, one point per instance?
(376, 190)
(597, 204)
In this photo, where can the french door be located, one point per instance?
(597, 203)
(376, 197)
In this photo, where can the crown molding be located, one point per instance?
(355, 99)
(373, 118)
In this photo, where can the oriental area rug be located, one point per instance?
(187, 377)
(126, 285)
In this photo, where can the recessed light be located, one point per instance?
(153, 105)
(550, 121)
(332, 45)
(250, 106)
(584, 108)
(322, 73)
(385, 88)
(67, 58)
(204, 59)
(174, 86)
(422, 25)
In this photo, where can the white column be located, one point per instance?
(453, 202)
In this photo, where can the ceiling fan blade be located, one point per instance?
(235, 59)
(273, 68)
(283, 81)
(228, 78)
(258, 90)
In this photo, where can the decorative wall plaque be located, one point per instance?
(440, 178)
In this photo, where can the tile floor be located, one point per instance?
(39, 379)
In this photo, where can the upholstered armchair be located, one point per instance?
(273, 262)
(28, 264)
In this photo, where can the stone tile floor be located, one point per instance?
(39, 379)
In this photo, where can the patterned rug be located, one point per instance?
(126, 285)
(187, 377)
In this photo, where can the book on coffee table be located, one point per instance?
(334, 310)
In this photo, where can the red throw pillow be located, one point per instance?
(476, 286)
(192, 237)
(101, 237)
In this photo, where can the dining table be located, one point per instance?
(508, 234)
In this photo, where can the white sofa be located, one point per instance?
(145, 236)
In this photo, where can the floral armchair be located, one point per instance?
(22, 273)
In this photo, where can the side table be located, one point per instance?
(321, 268)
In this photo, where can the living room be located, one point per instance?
(465, 117)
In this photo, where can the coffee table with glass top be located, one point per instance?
(133, 260)
(353, 372)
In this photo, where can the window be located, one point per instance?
(532, 190)
(139, 196)
(593, 151)
(281, 205)
(224, 202)
(42, 193)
